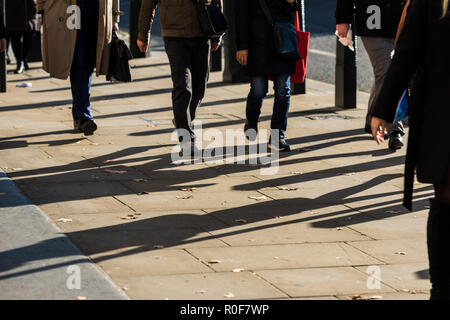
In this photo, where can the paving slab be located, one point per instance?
(287, 256)
(410, 277)
(320, 281)
(395, 251)
(208, 286)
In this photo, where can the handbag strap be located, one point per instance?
(266, 11)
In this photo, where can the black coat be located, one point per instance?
(2, 27)
(423, 45)
(21, 15)
(390, 13)
(255, 34)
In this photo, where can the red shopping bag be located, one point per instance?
(303, 45)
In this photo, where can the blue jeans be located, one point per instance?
(259, 86)
(83, 63)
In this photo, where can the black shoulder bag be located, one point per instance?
(212, 20)
(284, 34)
(119, 68)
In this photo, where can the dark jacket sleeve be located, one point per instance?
(242, 26)
(344, 11)
(2, 28)
(409, 54)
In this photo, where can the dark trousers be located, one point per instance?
(83, 63)
(189, 65)
(259, 86)
(21, 44)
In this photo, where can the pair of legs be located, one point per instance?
(259, 87)
(438, 240)
(380, 55)
(21, 44)
(83, 65)
(189, 65)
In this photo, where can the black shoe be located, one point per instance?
(188, 145)
(8, 59)
(26, 66)
(368, 129)
(251, 130)
(77, 126)
(20, 68)
(395, 141)
(438, 242)
(282, 144)
(88, 127)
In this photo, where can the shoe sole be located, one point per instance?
(396, 145)
(89, 128)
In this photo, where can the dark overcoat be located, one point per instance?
(21, 15)
(255, 34)
(367, 12)
(423, 45)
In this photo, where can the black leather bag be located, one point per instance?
(212, 20)
(119, 67)
(285, 36)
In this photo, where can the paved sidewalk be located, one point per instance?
(311, 230)
(37, 261)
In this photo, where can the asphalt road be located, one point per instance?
(320, 22)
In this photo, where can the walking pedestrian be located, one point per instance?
(376, 23)
(256, 52)
(75, 45)
(21, 22)
(424, 41)
(188, 50)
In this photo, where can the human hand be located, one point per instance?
(378, 127)
(143, 46)
(3, 45)
(342, 29)
(241, 57)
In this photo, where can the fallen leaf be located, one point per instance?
(238, 270)
(129, 217)
(158, 246)
(258, 198)
(240, 221)
(143, 192)
(288, 188)
(338, 228)
(296, 172)
(393, 211)
(188, 189)
(304, 149)
(184, 197)
(64, 220)
(349, 174)
(361, 297)
(114, 171)
(140, 180)
(200, 291)
(214, 261)
(229, 295)
(401, 253)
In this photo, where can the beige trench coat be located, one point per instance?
(58, 43)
